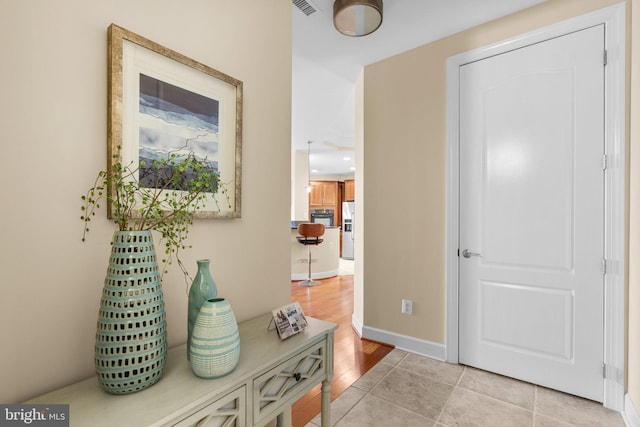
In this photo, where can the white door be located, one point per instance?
(532, 213)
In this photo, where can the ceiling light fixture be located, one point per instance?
(357, 18)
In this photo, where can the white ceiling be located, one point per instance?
(326, 65)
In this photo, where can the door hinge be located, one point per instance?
(604, 370)
(604, 266)
(604, 162)
(605, 58)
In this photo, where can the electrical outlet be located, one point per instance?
(407, 306)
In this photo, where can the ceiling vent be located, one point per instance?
(305, 6)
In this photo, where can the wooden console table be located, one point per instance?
(271, 375)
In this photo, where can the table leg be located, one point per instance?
(326, 403)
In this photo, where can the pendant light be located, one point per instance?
(308, 187)
(357, 18)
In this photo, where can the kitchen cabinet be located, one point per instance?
(324, 195)
(270, 376)
(349, 190)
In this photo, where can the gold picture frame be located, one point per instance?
(158, 97)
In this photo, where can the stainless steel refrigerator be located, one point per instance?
(348, 229)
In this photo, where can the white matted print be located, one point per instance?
(289, 320)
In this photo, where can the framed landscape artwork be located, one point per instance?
(163, 103)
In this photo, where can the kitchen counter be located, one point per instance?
(325, 258)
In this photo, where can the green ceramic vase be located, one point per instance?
(131, 338)
(215, 343)
(202, 289)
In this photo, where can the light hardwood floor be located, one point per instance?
(333, 301)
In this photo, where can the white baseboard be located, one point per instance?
(630, 413)
(402, 342)
(355, 323)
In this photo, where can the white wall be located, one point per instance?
(633, 312)
(359, 278)
(53, 122)
(299, 181)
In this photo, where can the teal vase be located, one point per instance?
(215, 343)
(131, 337)
(202, 289)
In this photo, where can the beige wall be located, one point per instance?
(405, 132)
(53, 122)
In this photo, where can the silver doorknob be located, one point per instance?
(468, 254)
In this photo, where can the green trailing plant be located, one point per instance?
(161, 195)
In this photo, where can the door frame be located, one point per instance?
(616, 228)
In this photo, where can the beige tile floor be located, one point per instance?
(405, 389)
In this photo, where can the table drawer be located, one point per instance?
(228, 411)
(279, 386)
